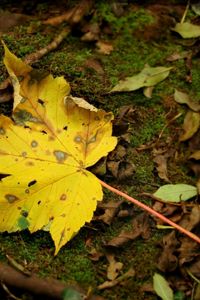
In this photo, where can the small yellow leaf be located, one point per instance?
(17, 69)
(46, 152)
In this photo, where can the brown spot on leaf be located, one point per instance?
(51, 138)
(68, 229)
(34, 144)
(2, 131)
(24, 154)
(29, 163)
(108, 117)
(11, 198)
(39, 202)
(60, 155)
(63, 197)
(63, 215)
(27, 191)
(24, 213)
(32, 182)
(78, 139)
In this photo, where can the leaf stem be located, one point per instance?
(151, 211)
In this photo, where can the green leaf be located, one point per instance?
(149, 76)
(187, 30)
(71, 294)
(162, 288)
(176, 192)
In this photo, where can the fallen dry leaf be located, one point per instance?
(10, 20)
(190, 125)
(114, 267)
(104, 47)
(94, 254)
(188, 251)
(167, 261)
(110, 284)
(195, 155)
(111, 209)
(176, 56)
(46, 155)
(161, 161)
(121, 169)
(191, 219)
(141, 227)
(183, 98)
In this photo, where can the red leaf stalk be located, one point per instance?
(151, 211)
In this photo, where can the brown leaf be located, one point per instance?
(176, 56)
(190, 125)
(192, 219)
(141, 227)
(111, 209)
(109, 284)
(161, 161)
(195, 155)
(95, 65)
(195, 268)
(104, 47)
(114, 267)
(167, 261)
(92, 31)
(121, 169)
(95, 255)
(10, 20)
(147, 91)
(188, 251)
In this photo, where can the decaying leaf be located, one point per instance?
(167, 261)
(183, 98)
(190, 126)
(114, 267)
(187, 30)
(141, 227)
(195, 155)
(118, 280)
(192, 219)
(104, 47)
(176, 192)
(111, 209)
(162, 288)
(196, 8)
(17, 69)
(149, 76)
(161, 161)
(46, 156)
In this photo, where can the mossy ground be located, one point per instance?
(131, 52)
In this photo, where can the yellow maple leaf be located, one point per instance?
(46, 153)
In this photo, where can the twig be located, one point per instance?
(73, 15)
(151, 211)
(76, 15)
(185, 12)
(33, 57)
(50, 288)
(12, 296)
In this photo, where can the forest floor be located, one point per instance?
(123, 37)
